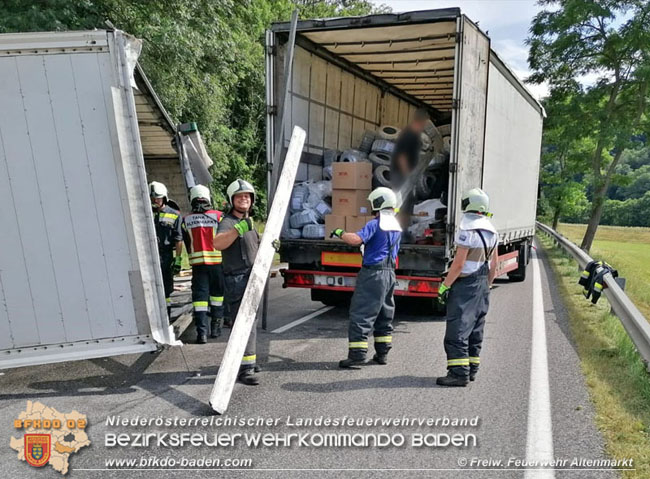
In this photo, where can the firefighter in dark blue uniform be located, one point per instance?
(170, 237)
(373, 306)
(471, 274)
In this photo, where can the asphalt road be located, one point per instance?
(516, 419)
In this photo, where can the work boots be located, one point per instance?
(215, 327)
(247, 376)
(380, 358)
(201, 339)
(452, 381)
(472, 373)
(352, 363)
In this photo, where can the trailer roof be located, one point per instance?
(412, 51)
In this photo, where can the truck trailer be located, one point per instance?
(81, 134)
(358, 74)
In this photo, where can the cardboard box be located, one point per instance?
(355, 223)
(352, 176)
(350, 202)
(331, 223)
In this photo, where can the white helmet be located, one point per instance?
(199, 191)
(157, 190)
(240, 186)
(476, 201)
(381, 198)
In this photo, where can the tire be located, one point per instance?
(519, 274)
(379, 159)
(381, 177)
(445, 130)
(367, 141)
(383, 146)
(388, 132)
(329, 157)
(426, 142)
(436, 138)
(331, 298)
(352, 156)
(425, 186)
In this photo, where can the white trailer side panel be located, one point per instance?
(468, 126)
(512, 154)
(73, 280)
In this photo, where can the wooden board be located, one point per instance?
(225, 382)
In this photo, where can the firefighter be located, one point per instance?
(170, 238)
(199, 229)
(373, 305)
(239, 241)
(471, 275)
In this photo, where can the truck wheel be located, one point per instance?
(519, 274)
(383, 146)
(379, 159)
(352, 156)
(388, 132)
(381, 177)
(331, 298)
(367, 141)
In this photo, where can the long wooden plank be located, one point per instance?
(225, 382)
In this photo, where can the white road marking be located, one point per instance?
(539, 441)
(304, 319)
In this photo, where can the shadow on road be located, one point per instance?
(397, 382)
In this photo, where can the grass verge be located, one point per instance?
(618, 382)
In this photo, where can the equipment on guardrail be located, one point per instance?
(592, 279)
(635, 324)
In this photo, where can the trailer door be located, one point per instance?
(468, 117)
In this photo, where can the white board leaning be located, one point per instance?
(227, 375)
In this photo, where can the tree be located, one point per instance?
(609, 39)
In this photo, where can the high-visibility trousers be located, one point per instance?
(467, 306)
(207, 295)
(372, 309)
(234, 292)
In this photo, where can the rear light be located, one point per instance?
(417, 286)
(300, 279)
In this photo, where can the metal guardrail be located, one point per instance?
(636, 325)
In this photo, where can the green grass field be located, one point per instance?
(618, 382)
(627, 250)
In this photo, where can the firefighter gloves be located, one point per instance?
(443, 293)
(244, 226)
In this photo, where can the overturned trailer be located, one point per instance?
(81, 134)
(351, 75)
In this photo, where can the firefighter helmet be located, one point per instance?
(240, 186)
(381, 198)
(476, 201)
(199, 191)
(157, 190)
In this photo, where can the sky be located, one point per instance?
(506, 21)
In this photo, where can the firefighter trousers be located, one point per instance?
(235, 287)
(372, 309)
(166, 263)
(207, 295)
(467, 306)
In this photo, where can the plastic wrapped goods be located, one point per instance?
(314, 231)
(302, 218)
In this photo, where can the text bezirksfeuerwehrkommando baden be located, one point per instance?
(290, 421)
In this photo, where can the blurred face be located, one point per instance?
(157, 202)
(242, 202)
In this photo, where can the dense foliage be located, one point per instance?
(595, 57)
(205, 59)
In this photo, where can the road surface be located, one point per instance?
(529, 402)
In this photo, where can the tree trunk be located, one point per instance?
(556, 218)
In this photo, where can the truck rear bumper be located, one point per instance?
(415, 286)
